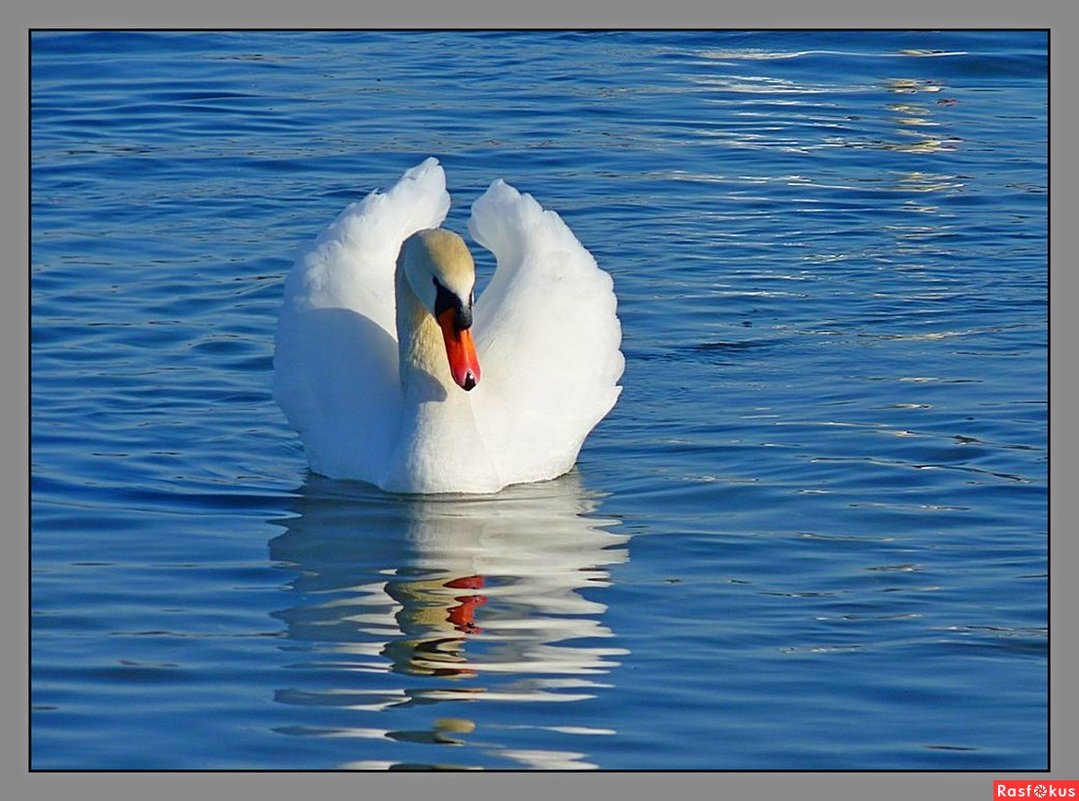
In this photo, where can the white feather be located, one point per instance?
(546, 334)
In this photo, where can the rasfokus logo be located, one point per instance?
(1025, 788)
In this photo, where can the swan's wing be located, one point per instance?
(351, 264)
(336, 363)
(547, 337)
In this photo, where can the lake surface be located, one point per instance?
(812, 534)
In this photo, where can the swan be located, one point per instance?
(394, 373)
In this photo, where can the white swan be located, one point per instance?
(376, 366)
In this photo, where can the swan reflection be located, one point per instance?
(402, 602)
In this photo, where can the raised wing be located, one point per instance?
(547, 336)
(336, 362)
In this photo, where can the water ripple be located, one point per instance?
(821, 497)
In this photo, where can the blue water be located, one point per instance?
(812, 533)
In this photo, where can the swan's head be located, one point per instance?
(441, 273)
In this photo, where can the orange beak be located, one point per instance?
(461, 352)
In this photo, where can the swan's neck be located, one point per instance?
(439, 441)
(425, 372)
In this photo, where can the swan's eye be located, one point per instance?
(444, 299)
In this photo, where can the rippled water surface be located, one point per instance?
(811, 534)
